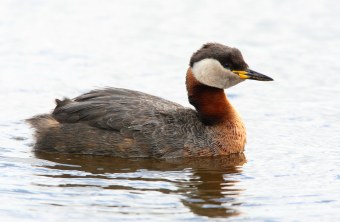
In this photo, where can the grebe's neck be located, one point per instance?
(211, 103)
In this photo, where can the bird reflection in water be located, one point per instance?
(207, 189)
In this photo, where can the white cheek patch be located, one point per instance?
(210, 72)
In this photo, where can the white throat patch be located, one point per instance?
(210, 72)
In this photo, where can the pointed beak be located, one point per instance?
(251, 74)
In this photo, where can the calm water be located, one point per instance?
(291, 167)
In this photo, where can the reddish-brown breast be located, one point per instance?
(214, 109)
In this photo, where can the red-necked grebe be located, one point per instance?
(126, 123)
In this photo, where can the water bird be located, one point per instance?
(126, 123)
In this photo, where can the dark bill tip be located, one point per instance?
(258, 76)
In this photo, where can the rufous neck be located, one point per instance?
(211, 103)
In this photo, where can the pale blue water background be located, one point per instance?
(50, 49)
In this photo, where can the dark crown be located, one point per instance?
(224, 54)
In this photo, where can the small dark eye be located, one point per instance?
(227, 66)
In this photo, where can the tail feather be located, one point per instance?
(43, 125)
(43, 122)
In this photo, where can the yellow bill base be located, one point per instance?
(242, 74)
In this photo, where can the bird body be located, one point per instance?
(127, 123)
